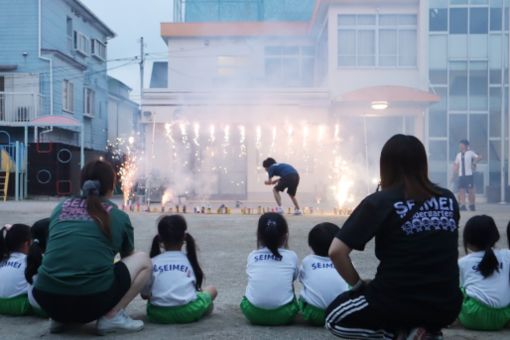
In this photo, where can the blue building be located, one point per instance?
(53, 62)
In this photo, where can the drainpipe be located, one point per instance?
(45, 58)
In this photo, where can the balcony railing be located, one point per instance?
(19, 107)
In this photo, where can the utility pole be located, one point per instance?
(142, 64)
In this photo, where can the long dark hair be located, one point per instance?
(39, 233)
(12, 239)
(97, 179)
(172, 232)
(482, 233)
(272, 232)
(404, 162)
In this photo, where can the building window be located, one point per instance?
(478, 20)
(496, 15)
(81, 43)
(98, 49)
(69, 32)
(458, 20)
(89, 108)
(438, 16)
(289, 65)
(458, 85)
(377, 40)
(478, 85)
(68, 96)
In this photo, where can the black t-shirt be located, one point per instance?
(417, 276)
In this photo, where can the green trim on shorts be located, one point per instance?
(39, 313)
(15, 306)
(314, 315)
(478, 316)
(280, 316)
(190, 312)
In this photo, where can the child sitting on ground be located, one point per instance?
(39, 233)
(484, 277)
(319, 278)
(14, 244)
(269, 299)
(175, 291)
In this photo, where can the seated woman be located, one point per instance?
(78, 281)
(415, 291)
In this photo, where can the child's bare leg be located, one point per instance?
(294, 200)
(277, 197)
(211, 291)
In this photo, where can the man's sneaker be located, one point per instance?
(297, 212)
(472, 207)
(462, 208)
(58, 327)
(119, 323)
(279, 210)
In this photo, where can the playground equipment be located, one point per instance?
(12, 163)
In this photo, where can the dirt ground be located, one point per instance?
(224, 241)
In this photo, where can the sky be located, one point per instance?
(130, 20)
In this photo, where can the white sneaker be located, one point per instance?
(119, 323)
(297, 212)
(279, 210)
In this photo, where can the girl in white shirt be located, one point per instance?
(175, 291)
(269, 299)
(318, 276)
(484, 277)
(14, 244)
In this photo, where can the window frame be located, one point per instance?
(377, 27)
(89, 102)
(98, 49)
(81, 39)
(67, 96)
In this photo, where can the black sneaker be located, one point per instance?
(462, 208)
(472, 207)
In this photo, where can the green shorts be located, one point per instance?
(283, 315)
(478, 316)
(191, 312)
(314, 315)
(15, 306)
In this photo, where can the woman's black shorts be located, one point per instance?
(85, 308)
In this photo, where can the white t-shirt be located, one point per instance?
(469, 160)
(173, 281)
(12, 276)
(270, 280)
(493, 291)
(321, 281)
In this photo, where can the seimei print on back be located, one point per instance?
(75, 209)
(437, 213)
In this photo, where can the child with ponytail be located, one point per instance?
(484, 277)
(39, 233)
(269, 299)
(175, 291)
(14, 244)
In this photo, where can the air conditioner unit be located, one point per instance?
(147, 115)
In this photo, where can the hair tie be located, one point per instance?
(271, 224)
(35, 241)
(91, 188)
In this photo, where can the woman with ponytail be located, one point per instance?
(77, 281)
(175, 292)
(269, 299)
(484, 277)
(14, 243)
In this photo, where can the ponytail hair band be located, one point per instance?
(36, 241)
(91, 188)
(271, 224)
